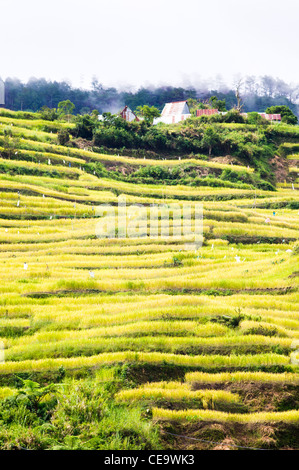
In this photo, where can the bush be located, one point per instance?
(115, 138)
(233, 116)
(85, 127)
(256, 118)
(63, 137)
(235, 176)
(48, 114)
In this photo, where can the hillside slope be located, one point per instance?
(148, 337)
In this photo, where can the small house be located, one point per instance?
(268, 117)
(206, 112)
(271, 117)
(128, 115)
(174, 112)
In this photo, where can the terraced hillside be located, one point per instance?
(147, 339)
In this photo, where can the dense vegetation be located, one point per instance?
(258, 94)
(251, 143)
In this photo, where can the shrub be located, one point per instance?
(85, 127)
(63, 137)
(233, 116)
(256, 118)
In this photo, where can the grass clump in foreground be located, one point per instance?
(78, 414)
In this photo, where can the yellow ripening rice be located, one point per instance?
(203, 377)
(6, 392)
(211, 361)
(211, 415)
(204, 398)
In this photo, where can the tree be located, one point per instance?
(217, 104)
(251, 86)
(109, 118)
(287, 115)
(48, 114)
(85, 125)
(255, 118)
(238, 86)
(9, 145)
(210, 138)
(195, 104)
(65, 108)
(268, 85)
(148, 112)
(95, 114)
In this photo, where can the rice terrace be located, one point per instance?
(141, 341)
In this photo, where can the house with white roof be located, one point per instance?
(174, 112)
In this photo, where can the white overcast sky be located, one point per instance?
(141, 42)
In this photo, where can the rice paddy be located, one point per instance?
(217, 315)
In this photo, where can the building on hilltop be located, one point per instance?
(128, 115)
(174, 112)
(206, 112)
(210, 112)
(2, 92)
(269, 117)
